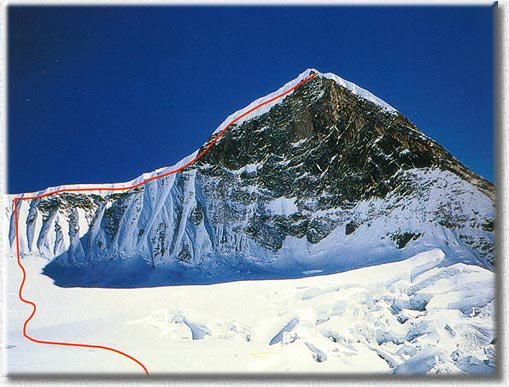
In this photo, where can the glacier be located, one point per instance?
(410, 317)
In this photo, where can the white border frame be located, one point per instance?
(502, 180)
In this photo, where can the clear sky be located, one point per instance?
(104, 94)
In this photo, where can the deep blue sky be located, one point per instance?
(104, 94)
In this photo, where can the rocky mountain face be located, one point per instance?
(328, 178)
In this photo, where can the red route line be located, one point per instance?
(173, 171)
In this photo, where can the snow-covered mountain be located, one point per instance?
(328, 178)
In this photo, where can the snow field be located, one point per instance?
(413, 316)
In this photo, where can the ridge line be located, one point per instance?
(205, 150)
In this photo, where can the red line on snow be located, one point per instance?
(173, 171)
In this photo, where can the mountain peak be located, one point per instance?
(317, 174)
(352, 87)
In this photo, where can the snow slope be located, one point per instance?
(413, 316)
(166, 207)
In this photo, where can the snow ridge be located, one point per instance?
(163, 170)
(356, 90)
(359, 91)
